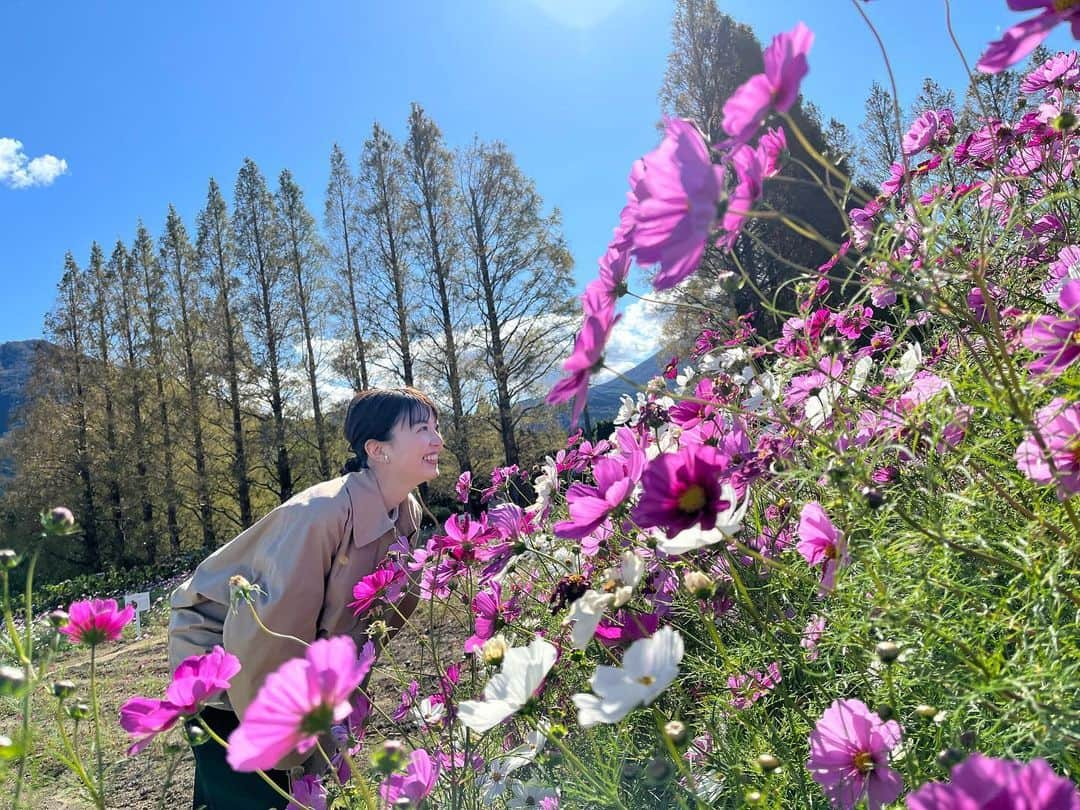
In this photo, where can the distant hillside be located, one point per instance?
(604, 398)
(16, 360)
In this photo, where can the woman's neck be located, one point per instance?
(392, 492)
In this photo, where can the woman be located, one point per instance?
(305, 556)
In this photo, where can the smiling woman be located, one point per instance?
(297, 569)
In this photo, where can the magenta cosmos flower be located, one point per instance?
(849, 756)
(676, 203)
(1022, 38)
(985, 783)
(462, 486)
(588, 354)
(93, 621)
(775, 89)
(298, 702)
(1060, 70)
(409, 789)
(197, 680)
(590, 506)
(385, 582)
(1056, 339)
(1059, 426)
(682, 489)
(820, 542)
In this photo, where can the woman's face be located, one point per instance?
(414, 451)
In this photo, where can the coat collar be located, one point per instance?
(370, 520)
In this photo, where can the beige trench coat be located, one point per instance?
(306, 555)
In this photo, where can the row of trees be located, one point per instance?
(186, 391)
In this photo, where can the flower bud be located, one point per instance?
(79, 710)
(195, 734)
(752, 797)
(58, 618)
(925, 710)
(389, 757)
(63, 689)
(493, 650)
(885, 712)
(699, 584)
(59, 521)
(768, 763)
(8, 558)
(887, 651)
(1064, 122)
(12, 681)
(378, 629)
(968, 738)
(8, 749)
(675, 731)
(658, 771)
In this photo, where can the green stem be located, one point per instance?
(74, 762)
(96, 711)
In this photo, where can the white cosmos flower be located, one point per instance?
(546, 485)
(628, 411)
(909, 363)
(588, 609)
(522, 795)
(728, 524)
(428, 713)
(649, 667)
(523, 670)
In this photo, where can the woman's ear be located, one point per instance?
(373, 450)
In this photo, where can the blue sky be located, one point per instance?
(145, 101)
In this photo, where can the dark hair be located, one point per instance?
(373, 413)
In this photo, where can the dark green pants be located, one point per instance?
(219, 787)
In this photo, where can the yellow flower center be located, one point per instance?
(646, 680)
(693, 500)
(1065, 5)
(864, 762)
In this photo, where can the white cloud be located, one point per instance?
(635, 337)
(19, 171)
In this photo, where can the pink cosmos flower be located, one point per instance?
(932, 127)
(1056, 339)
(1024, 37)
(93, 621)
(385, 582)
(587, 357)
(1060, 70)
(462, 486)
(676, 204)
(590, 506)
(751, 166)
(820, 542)
(298, 702)
(413, 786)
(1065, 268)
(984, 783)
(491, 614)
(464, 537)
(1059, 426)
(197, 680)
(681, 490)
(849, 756)
(775, 89)
(811, 635)
(308, 791)
(748, 689)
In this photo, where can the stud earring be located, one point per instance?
(385, 458)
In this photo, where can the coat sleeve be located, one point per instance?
(289, 560)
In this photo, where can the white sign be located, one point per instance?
(141, 602)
